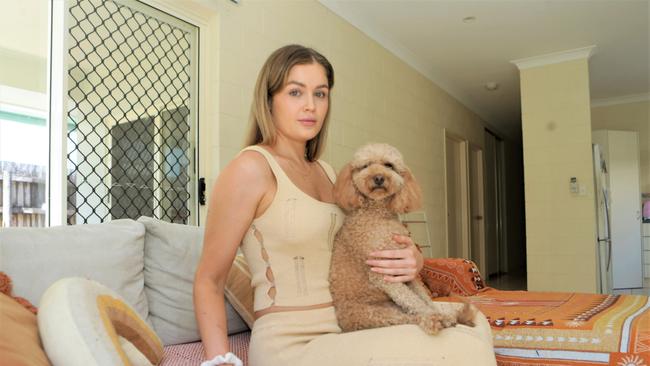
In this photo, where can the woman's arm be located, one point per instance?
(399, 265)
(233, 204)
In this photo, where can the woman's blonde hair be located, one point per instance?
(271, 80)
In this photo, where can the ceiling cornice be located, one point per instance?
(634, 98)
(555, 57)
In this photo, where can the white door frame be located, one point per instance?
(480, 187)
(200, 13)
(464, 194)
(204, 15)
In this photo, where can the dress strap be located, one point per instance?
(331, 173)
(275, 167)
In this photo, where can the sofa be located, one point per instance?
(151, 264)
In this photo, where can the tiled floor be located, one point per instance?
(506, 281)
(518, 282)
(636, 291)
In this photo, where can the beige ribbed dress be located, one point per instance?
(288, 251)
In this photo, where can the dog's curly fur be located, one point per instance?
(373, 189)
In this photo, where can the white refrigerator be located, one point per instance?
(603, 237)
(618, 210)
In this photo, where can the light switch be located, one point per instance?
(582, 190)
(573, 185)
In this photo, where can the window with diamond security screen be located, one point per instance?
(132, 102)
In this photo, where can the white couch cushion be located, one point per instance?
(110, 253)
(84, 323)
(172, 252)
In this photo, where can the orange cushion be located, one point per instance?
(445, 276)
(19, 341)
(6, 288)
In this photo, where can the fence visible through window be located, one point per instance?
(22, 194)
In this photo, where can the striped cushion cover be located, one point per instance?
(191, 354)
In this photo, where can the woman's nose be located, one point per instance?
(309, 104)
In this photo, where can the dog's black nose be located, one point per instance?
(378, 179)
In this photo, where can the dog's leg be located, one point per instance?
(365, 316)
(418, 287)
(467, 313)
(400, 294)
(412, 303)
(457, 314)
(357, 316)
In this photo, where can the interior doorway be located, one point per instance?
(496, 251)
(477, 206)
(457, 196)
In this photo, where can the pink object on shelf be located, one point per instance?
(646, 209)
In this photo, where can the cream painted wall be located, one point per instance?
(376, 96)
(24, 26)
(24, 44)
(628, 117)
(23, 71)
(560, 225)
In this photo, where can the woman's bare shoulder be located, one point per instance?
(247, 168)
(250, 162)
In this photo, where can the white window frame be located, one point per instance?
(199, 13)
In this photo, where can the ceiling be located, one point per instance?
(461, 57)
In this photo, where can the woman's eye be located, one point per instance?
(321, 94)
(294, 92)
(389, 165)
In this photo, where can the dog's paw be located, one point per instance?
(448, 321)
(466, 314)
(432, 324)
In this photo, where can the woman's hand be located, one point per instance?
(398, 265)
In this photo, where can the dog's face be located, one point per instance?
(377, 173)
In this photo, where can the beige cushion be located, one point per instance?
(81, 321)
(172, 252)
(111, 253)
(20, 344)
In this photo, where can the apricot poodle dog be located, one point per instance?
(373, 189)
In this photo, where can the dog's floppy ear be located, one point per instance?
(409, 198)
(345, 194)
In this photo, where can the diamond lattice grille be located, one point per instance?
(130, 150)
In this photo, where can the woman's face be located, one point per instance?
(300, 107)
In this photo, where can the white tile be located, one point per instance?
(622, 292)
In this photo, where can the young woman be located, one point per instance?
(276, 199)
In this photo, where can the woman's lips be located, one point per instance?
(307, 121)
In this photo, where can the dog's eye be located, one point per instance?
(389, 166)
(365, 166)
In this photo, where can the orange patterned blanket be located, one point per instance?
(533, 328)
(553, 328)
